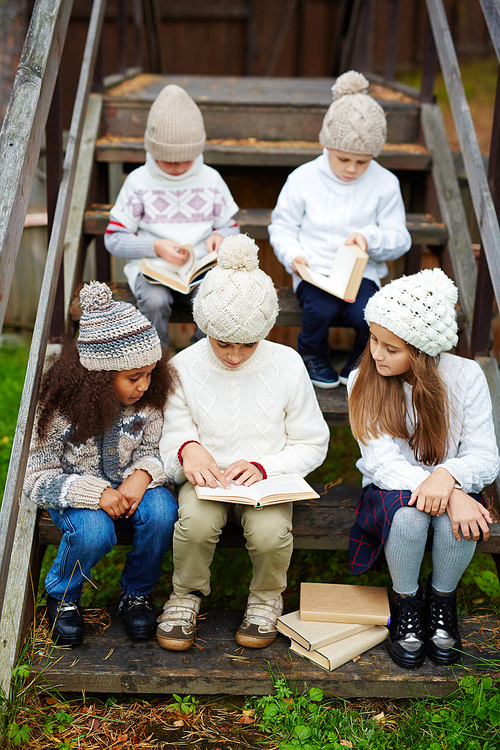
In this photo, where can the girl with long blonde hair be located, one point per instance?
(423, 421)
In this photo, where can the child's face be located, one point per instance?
(175, 168)
(346, 166)
(389, 352)
(132, 384)
(232, 355)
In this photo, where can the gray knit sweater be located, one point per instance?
(61, 474)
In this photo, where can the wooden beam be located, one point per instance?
(489, 366)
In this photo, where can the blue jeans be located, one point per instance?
(90, 534)
(320, 310)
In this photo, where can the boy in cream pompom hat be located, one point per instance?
(244, 410)
(174, 199)
(342, 197)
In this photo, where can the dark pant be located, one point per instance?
(320, 310)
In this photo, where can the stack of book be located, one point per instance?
(336, 622)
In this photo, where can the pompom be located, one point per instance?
(351, 82)
(434, 277)
(95, 296)
(238, 253)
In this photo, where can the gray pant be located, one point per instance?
(155, 303)
(405, 546)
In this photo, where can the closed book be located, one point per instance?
(312, 635)
(335, 654)
(335, 602)
(345, 274)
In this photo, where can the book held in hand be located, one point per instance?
(333, 655)
(181, 278)
(283, 488)
(335, 602)
(345, 274)
(313, 635)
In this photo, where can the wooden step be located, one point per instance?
(424, 228)
(109, 662)
(285, 109)
(250, 152)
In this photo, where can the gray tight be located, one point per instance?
(405, 545)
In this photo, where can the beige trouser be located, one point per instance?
(268, 534)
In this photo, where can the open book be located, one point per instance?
(283, 488)
(335, 654)
(181, 278)
(345, 274)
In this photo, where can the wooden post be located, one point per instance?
(54, 168)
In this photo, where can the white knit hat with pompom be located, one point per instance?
(354, 122)
(236, 302)
(420, 309)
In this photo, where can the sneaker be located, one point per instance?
(321, 371)
(406, 641)
(65, 621)
(442, 640)
(347, 368)
(139, 615)
(177, 624)
(258, 628)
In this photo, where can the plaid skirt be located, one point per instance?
(374, 514)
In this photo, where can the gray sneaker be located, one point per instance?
(258, 628)
(177, 624)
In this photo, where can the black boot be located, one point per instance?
(406, 641)
(441, 627)
(139, 615)
(65, 621)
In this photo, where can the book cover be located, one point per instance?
(283, 488)
(313, 635)
(335, 654)
(345, 274)
(335, 602)
(181, 278)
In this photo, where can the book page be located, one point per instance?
(343, 263)
(171, 269)
(281, 484)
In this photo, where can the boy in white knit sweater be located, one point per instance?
(173, 199)
(244, 409)
(343, 196)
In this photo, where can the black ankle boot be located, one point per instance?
(441, 627)
(139, 615)
(65, 621)
(406, 641)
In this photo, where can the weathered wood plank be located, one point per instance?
(264, 154)
(478, 183)
(424, 228)
(452, 210)
(489, 366)
(111, 662)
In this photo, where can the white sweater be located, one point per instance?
(316, 212)
(472, 456)
(152, 205)
(265, 411)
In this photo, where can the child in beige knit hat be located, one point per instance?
(342, 197)
(174, 199)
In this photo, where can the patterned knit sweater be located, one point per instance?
(264, 411)
(61, 474)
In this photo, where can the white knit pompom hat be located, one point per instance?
(420, 309)
(174, 129)
(354, 122)
(236, 302)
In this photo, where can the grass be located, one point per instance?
(13, 361)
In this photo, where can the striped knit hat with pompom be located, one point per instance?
(236, 302)
(114, 335)
(420, 309)
(354, 122)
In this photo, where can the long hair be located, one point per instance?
(88, 399)
(377, 405)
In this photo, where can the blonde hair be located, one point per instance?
(377, 405)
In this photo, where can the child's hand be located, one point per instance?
(356, 238)
(171, 251)
(299, 259)
(113, 503)
(133, 489)
(243, 472)
(468, 516)
(433, 494)
(200, 467)
(214, 242)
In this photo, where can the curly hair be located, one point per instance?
(87, 398)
